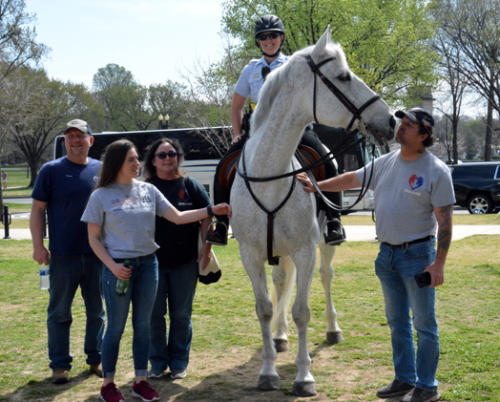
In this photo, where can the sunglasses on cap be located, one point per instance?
(170, 154)
(271, 35)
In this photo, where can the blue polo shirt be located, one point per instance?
(251, 80)
(65, 187)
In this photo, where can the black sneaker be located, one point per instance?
(395, 388)
(335, 233)
(219, 236)
(421, 395)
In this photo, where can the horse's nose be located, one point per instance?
(392, 122)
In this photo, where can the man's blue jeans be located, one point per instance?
(142, 293)
(67, 272)
(177, 287)
(396, 268)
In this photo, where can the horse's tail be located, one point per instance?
(280, 310)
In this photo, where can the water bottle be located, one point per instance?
(121, 285)
(44, 277)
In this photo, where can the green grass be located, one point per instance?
(225, 356)
(17, 179)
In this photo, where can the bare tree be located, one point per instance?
(211, 91)
(473, 31)
(456, 81)
(18, 47)
(15, 98)
(53, 103)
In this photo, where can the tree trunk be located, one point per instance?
(454, 139)
(489, 129)
(34, 173)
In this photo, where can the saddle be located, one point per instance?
(228, 166)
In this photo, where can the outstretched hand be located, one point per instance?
(222, 209)
(308, 186)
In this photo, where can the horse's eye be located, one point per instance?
(345, 77)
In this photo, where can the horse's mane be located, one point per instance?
(278, 79)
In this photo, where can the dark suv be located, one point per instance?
(477, 186)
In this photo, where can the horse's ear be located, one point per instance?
(320, 46)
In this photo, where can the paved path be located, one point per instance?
(354, 233)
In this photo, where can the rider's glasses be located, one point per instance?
(170, 154)
(271, 35)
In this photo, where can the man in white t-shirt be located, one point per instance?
(413, 196)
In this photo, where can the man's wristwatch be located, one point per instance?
(210, 212)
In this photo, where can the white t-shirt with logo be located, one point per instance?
(405, 195)
(126, 214)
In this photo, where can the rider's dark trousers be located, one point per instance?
(310, 139)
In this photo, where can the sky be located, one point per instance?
(154, 39)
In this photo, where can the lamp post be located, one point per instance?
(163, 121)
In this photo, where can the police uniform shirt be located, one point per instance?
(251, 80)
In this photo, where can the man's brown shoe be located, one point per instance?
(96, 368)
(60, 376)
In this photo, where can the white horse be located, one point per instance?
(284, 109)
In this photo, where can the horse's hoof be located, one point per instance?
(304, 389)
(281, 345)
(268, 382)
(333, 338)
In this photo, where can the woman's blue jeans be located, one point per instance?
(177, 288)
(396, 268)
(142, 293)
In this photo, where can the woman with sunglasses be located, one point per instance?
(269, 37)
(121, 223)
(178, 259)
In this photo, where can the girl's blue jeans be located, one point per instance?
(142, 293)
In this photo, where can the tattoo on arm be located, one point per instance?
(445, 221)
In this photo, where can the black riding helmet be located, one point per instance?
(268, 23)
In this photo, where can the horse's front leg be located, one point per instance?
(268, 377)
(333, 331)
(305, 263)
(281, 294)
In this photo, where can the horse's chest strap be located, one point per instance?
(272, 260)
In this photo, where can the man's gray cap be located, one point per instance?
(80, 125)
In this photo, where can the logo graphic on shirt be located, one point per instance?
(184, 196)
(416, 182)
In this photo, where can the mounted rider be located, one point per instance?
(269, 37)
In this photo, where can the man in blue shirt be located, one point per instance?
(63, 187)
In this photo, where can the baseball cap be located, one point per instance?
(419, 116)
(80, 125)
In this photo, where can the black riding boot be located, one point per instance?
(335, 233)
(219, 236)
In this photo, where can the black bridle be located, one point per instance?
(356, 112)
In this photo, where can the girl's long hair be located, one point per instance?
(112, 161)
(150, 169)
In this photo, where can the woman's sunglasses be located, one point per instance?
(272, 35)
(163, 155)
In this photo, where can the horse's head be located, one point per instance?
(328, 107)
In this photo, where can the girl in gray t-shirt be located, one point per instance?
(121, 224)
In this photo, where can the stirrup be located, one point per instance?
(217, 242)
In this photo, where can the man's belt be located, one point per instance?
(409, 243)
